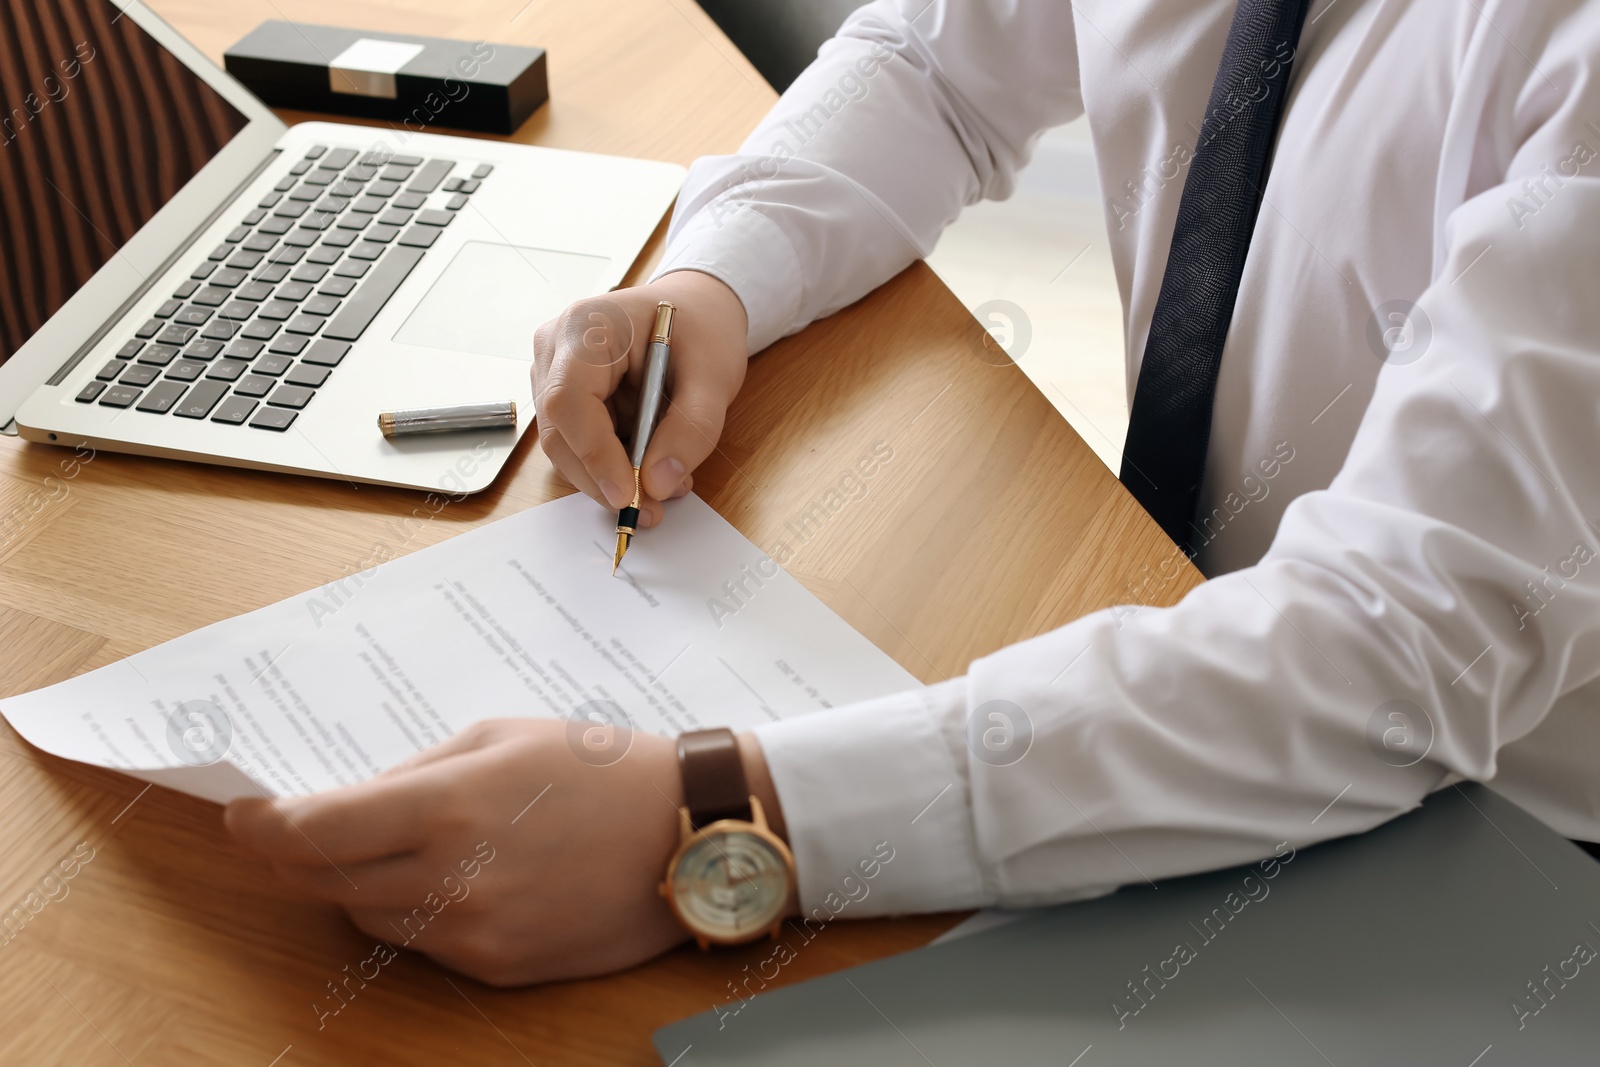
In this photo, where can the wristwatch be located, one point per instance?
(732, 878)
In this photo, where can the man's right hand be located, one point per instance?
(586, 370)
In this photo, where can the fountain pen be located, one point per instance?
(652, 397)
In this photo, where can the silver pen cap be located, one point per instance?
(501, 414)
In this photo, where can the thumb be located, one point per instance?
(686, 435)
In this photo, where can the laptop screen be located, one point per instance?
(99, 127)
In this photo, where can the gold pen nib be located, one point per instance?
(622, 548)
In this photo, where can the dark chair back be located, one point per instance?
(780, 37)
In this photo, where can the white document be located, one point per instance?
(518, 618)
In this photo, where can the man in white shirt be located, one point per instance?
(1394, 516)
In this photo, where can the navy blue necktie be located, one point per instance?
(1169, 425)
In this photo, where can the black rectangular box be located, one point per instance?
(416, 82)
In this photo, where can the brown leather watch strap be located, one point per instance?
(714, 785)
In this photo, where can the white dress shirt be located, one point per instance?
(1417, 529)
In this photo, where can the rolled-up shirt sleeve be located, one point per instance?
(1426, 610)
(911, 112)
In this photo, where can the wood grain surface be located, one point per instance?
(989, 522)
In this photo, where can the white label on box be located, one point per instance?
(368, 67)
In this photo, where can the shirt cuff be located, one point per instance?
(731, 240)
(876, 802)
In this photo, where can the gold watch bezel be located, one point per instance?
(758, 827)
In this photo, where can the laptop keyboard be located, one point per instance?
(269, 314)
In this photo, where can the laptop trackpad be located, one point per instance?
(492, 297)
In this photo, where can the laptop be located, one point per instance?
(182, 275)
(1463, 934)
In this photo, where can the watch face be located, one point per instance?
(730, 885)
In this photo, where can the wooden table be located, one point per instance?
(992, 522)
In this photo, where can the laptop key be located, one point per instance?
(168, 309)
(291, 209)
(193, 315)
(222, 251)
(175, 334)
(470, 185)
(203, 271)
(272, 273)
(453, 185)
(302, 238)
(396, 174)
(254, 385)
(149, 329)
(161, 397)
(243, 350)
(384, 189)
(361, 173)
(339, 158)
(212, 296)
(129, 350)
(256, 215)
(234, 410)
(200, 400)
(483, 170)
(286, 183)
(139, 376)
(261, 330)
(238, 310)
(316, 151)
(410, 201)
(300, 167)
(245, 260)
(346, 188)
(185, 370)
(406, 161)
(220, 330)
(395, 218)
(289, 344)
(456, 202)
(431, 174)
(320, 177)
(110, 371)
(383, 234)
(332, 205)
(354, 221)
(260, 242)
(186, 290)
(203, 350)
(324, 256)
(87, 394)
(420, 236)
(434, 218)
(273, 365)
(273, 419)
(320, 305)
(325, 353)
(276, 311)
(228, 370)
(254, 291)
(369, 205)
(364, 305)
(228, 278)
(337, 286)
(291, 396)
(277, 226)
(270, 201)
(338, 239)
(295, 291)
(311, 272)
(119, 396)
(304, 324)
(158, 355)
(306, 375)
(237, 234)
(318, 221)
